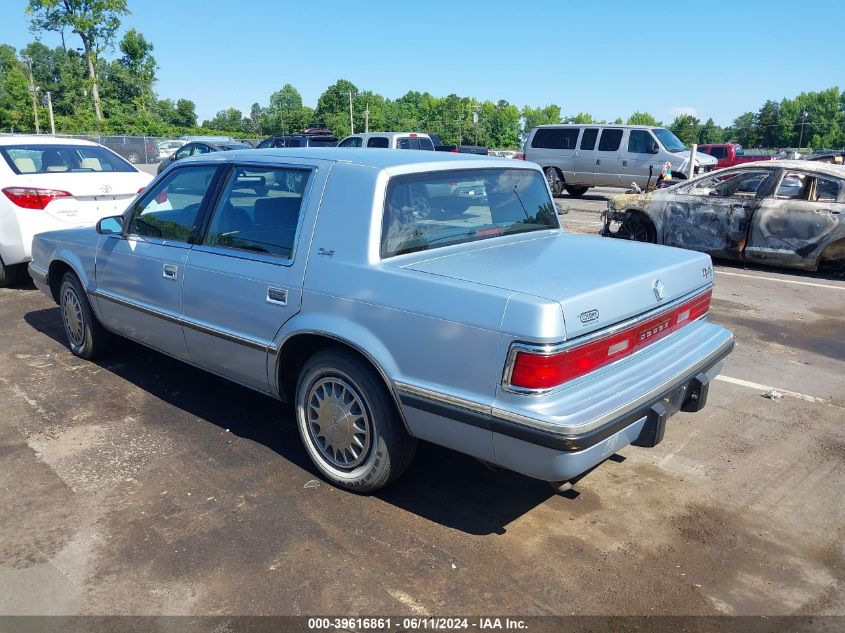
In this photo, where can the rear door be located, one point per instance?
(607, 171)
(245, 279)
(139, 274)
(712, 214)
(792, 224)
(585, 157)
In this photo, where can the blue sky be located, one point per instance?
(608, 58)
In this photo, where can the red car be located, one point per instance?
(730, 154)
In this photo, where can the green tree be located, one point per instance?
(94, 21)
(744, 130)
(768, 124)
(583, 117)
(286, 113)
(686, 127)
(643, 118)
(228, 120)
(333, 106)
(15, 101)
(532, 117)
(710, 133)
(140, 67)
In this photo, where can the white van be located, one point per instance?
(577, 157)
(389, 140)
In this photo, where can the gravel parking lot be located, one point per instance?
(139, 485)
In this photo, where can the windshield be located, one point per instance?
(670, 142)
(424, 211)
(44, 159)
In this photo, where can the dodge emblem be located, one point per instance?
(658, 288)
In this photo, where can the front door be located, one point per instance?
(245, 279)
(791, 225)
(712, 214)
(641, 155)
(139, 274)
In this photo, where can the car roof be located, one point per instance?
(805, 165)
(387, 134)
(613, 125)
(42, 139)
(369, 157)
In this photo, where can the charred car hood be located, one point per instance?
(597, 282)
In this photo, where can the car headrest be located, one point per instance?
(25, 165)
(281, 210)
(91, 163)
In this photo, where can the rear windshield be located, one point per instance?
(44, 159)
(322, 141)
(424, 211)
(414, 142)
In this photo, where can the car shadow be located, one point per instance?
(441, 485)
(823, 274)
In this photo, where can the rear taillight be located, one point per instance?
(541, 370)
(455, 150)
(32, 198)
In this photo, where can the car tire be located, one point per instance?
(637, 227)
(133, 157)
(575, 192)
(86, 337)
(349, 424)
(11, 275)
(555, 181)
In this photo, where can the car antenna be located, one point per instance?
(527, 217)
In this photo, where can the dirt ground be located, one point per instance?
(139, 485)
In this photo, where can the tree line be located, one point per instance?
(93, 92)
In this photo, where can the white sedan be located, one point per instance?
(50, 183)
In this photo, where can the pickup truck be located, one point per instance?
(731, 154)
(457, 149)
(341, 280)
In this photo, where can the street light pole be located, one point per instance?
(801, 135)
(50, 110)
(367, 119)
(32, 92)
(351, 122)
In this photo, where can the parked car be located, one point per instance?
(389, 140)
(785, 213)
(51, 183)
(135, 149)
(731, 154)
(577, 157)
(335, 279)
(299, 140)
(166, 149)
(457, 149)
(830, 156)
(199, 148)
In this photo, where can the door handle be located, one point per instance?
(598, 161)
(624, 163)
(170, 271)
(277, 296)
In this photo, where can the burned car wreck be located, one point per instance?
(785, 213)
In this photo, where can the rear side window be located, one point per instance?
(610, 140)
(354, 141)
(378, 141)
(44, 159)
(827, 190)
(719, 152)
(588, 140)
(555, 138)
(259, 211)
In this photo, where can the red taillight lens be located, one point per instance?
(545, 371)
(455, 150)
(31, 198)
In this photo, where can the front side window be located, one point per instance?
(259, 211)
(354, 141)
(732, 184)
(169, 210)
(425, 211)
(556, 138)
(610, 140)
(43, 159)
(640, 142)
(378, 141)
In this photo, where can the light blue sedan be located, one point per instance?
(354, 284)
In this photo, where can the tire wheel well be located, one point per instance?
(296, 351)
(641, 218)
(55, 273)
(834, 252)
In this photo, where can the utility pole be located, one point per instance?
(50, 110)
(351, 122)
(367, 118)
(801, 136)
(34, 98)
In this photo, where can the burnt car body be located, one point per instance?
(785, 213)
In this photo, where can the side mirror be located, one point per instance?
(112, 225)
(653, 149)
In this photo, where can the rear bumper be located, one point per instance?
(552, 456)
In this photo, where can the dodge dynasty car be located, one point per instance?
(347, 282)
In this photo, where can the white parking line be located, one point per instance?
(767, 389)
(785, 281)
